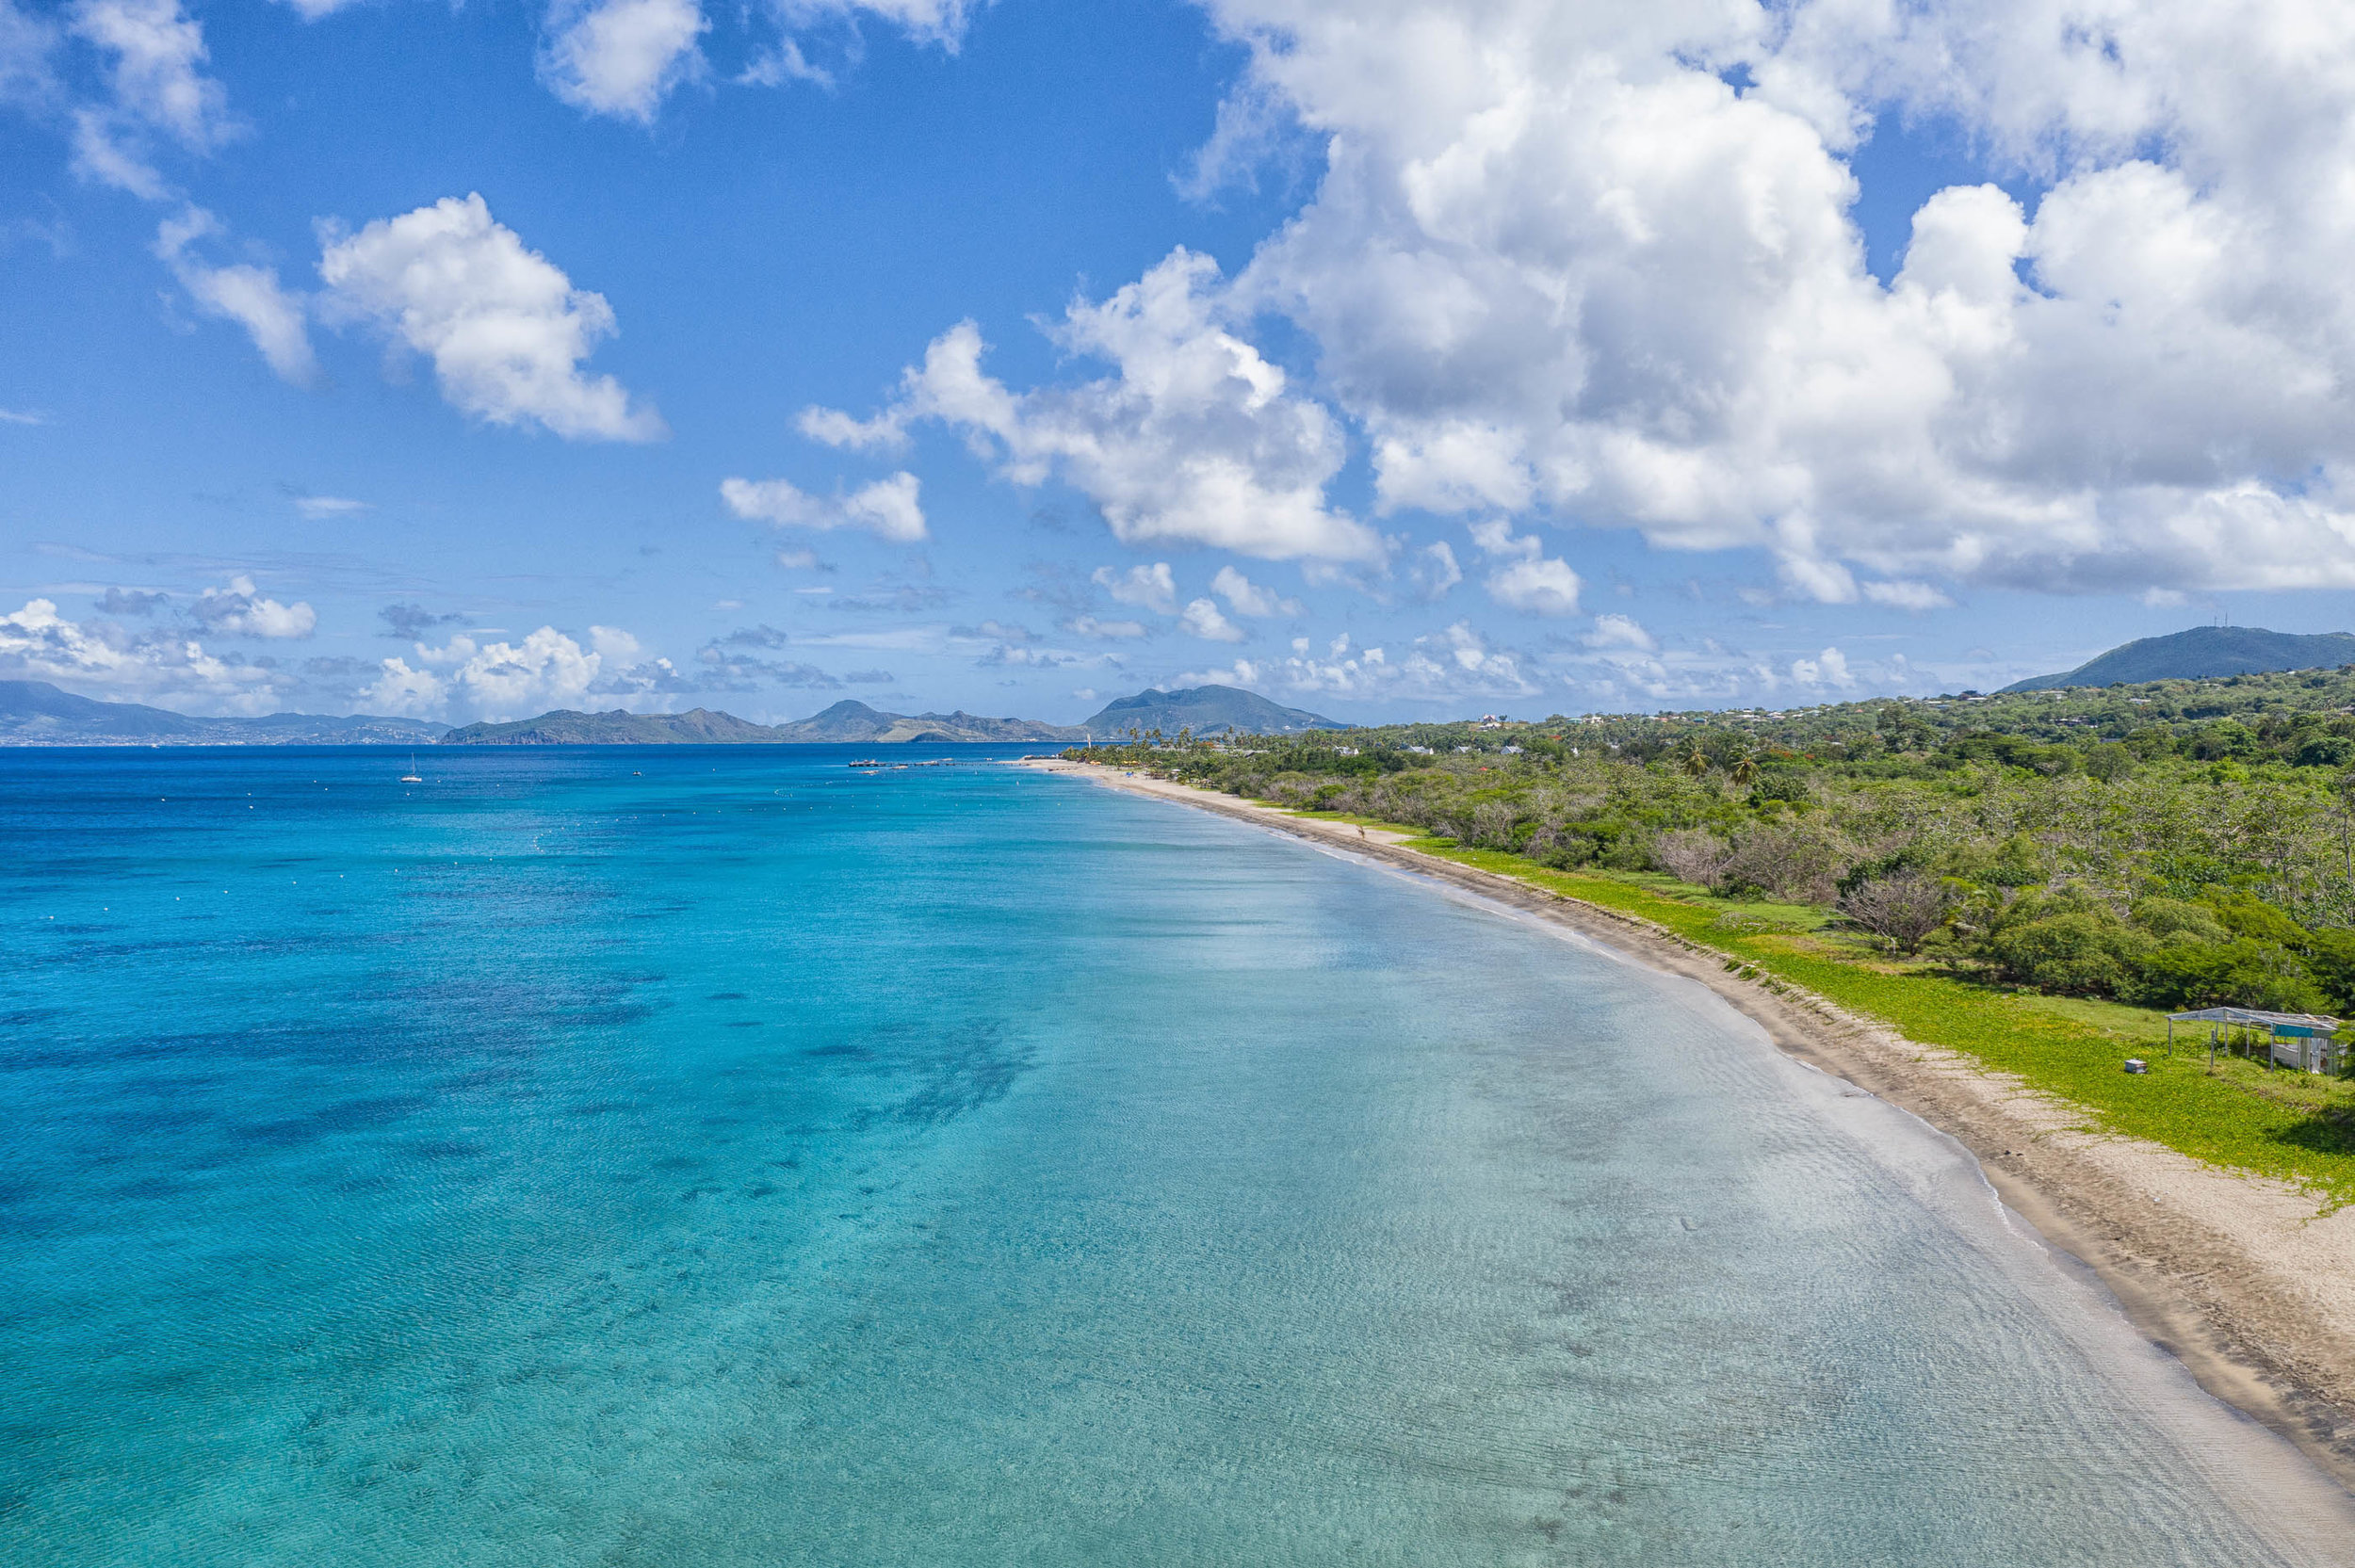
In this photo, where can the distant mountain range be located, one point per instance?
(845, 724)
(2201, 654)
(34, 713)
(1205, 710)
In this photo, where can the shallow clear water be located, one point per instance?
(756, 1162)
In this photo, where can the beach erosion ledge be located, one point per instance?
(2247, 1281)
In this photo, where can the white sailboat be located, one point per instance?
(412, 776)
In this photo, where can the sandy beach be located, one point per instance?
(2243, 1278)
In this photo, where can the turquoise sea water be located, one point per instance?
(718, 1157)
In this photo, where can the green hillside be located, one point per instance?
(2204, 653)
(1205, 710)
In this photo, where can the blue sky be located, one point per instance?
(1397, 360)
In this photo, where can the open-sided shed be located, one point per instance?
(2306, 1040)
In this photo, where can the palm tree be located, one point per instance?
(1745, 769)
(1697, 761)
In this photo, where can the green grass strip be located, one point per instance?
(2222, 1120)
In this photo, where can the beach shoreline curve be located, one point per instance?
(2241, 1279)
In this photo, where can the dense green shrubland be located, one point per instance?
(2181, 843)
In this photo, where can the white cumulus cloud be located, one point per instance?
(622, 57)
(1153, 588)
(505, 328)
(941, 23)
(156, 56)
(156, 66)
(496, 681)
(1535, 587)
(833, 427)
(242, 292)
(37, 643)
(241, 609)
(1245, 597)
(1452, 665)
(1528, 580)
(1558, 263)
(1197, 439)
(1489, 669)
(888, 509)
(1828, 667)
(1621, 631)
(1202, 618)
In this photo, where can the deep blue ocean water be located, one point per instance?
(719, 1157)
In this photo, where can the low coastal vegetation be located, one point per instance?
(2033, 879)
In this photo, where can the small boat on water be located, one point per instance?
(865, 761)
(412, 776)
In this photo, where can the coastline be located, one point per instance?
(2240, 1278)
